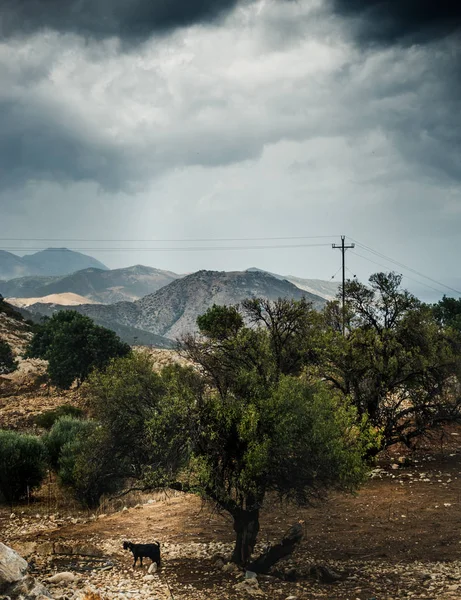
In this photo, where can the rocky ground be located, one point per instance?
(398, 538)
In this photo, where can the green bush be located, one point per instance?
(64, 431)
(47, 419)
(8, 364)
(23, 463)
(90, 468)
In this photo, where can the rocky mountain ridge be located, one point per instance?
(173, 309)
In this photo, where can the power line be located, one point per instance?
(243, 239)
(177, 249)
(403, 266)
(385, 267)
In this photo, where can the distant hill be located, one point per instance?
(12, 266)
(319, 287)
(106, 286)
(63, 299)
(49, 262)
(60, 261)
(173, 309)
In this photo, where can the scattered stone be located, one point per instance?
(64, 577)
(250, 586)
(153, 568)
(250, 575)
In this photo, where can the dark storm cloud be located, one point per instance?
(127, 19)
(34, 147)
(401, 21)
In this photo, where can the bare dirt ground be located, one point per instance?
(399, 537)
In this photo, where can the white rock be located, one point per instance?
(148, 577)
(250, 575)
(153, 568)
(64, 577)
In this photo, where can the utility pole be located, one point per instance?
(343, 249)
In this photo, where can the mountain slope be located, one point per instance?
(107, 286)
(173, 309)
(12, 266)
(319, 287)
(60, 261)
(49, 262)
(117, 319)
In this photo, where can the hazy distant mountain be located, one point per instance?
(52, 261)
(173, 309)
(130, 335)
(108, 286)
(12, 266)
(60, 261)
(319, 287)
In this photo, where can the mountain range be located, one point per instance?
(106, 286)
(52, 261)
(173, 309)
(142, 304)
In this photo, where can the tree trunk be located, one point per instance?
(246, 526)
(264, 562)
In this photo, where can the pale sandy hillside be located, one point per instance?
(66, 299)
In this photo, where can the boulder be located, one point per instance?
(13, 567)
(15, 583)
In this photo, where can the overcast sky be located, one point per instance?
(199, 119)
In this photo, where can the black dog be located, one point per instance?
(141, 551)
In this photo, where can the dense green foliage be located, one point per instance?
(240, 424)
(396, 362)
(23, 463)
(220, 322)
(448, 313)
(74, 345)
(8, 364)
(64, 431)
(47, 419)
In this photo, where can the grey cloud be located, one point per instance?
(131, 20)
(400, 21)
(33, 146)
(92, 113)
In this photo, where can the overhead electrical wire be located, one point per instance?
(177, 249)
(385, 267)
(152, 240)
(403, 266)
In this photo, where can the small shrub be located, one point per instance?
(47, 419)
(64, 431)
(8, 364)
(23, 463)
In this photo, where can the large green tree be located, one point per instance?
(74, 345)
(238, 423)
(250, 424)
(396, 362)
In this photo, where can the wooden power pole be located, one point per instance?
(343, 249)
